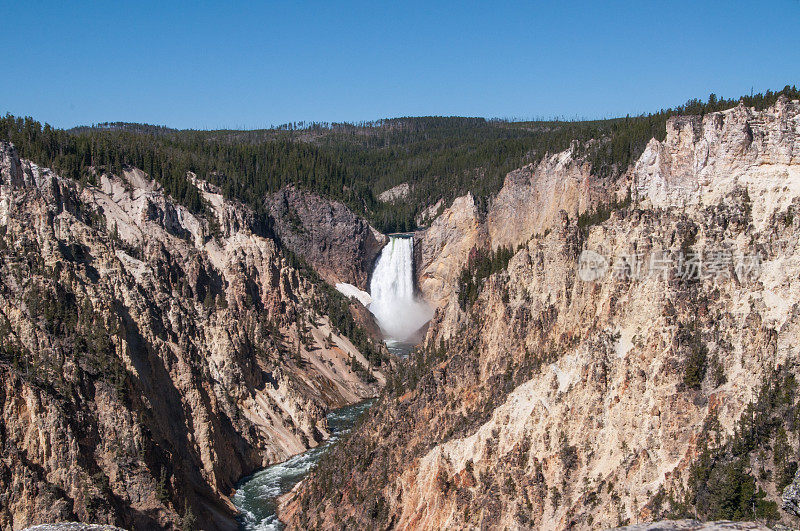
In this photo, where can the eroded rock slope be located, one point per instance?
(149, 357)
(341, 246)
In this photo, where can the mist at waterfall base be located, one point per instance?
(398, 311)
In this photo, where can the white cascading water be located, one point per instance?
(394, 304)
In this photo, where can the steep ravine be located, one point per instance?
(600, 378)
(150, 357)
(401, 315)
(256, 496)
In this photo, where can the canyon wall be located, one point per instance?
(638, 368)
(339, 245)
(151, 357)
(441, 251)
(530, 203)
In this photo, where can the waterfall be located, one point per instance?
(394, 303)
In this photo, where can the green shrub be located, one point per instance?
(696, 362)
(481, 265)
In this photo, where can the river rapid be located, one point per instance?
(256, 495)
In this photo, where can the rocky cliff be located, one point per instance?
(530, 203)
(151, 357)
(341, 246)
(639, 366)
(442, 250)
(532, 198)
(401, 191)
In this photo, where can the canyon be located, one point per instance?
(478, 266)
(151, 357)
(636, 359)
(595, 350)
(400, 314)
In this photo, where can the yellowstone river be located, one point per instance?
(256, 495)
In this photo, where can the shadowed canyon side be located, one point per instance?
(339, 245)
(150, 357)
(596, 377)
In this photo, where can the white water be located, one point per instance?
(399, 312)
(256, 496)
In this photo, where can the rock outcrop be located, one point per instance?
(590, 381)
(704, 158)
(695, 525)
(533, 197)
(395, 193)
(531, 202)
(790, 499)
(339, 245)
(442, 250)
(150, 357)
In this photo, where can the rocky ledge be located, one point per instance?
(73, 526)
(696, 525)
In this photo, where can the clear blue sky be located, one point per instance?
(252, 64)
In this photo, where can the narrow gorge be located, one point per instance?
(401, 315)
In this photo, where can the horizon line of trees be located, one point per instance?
(440, 157)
